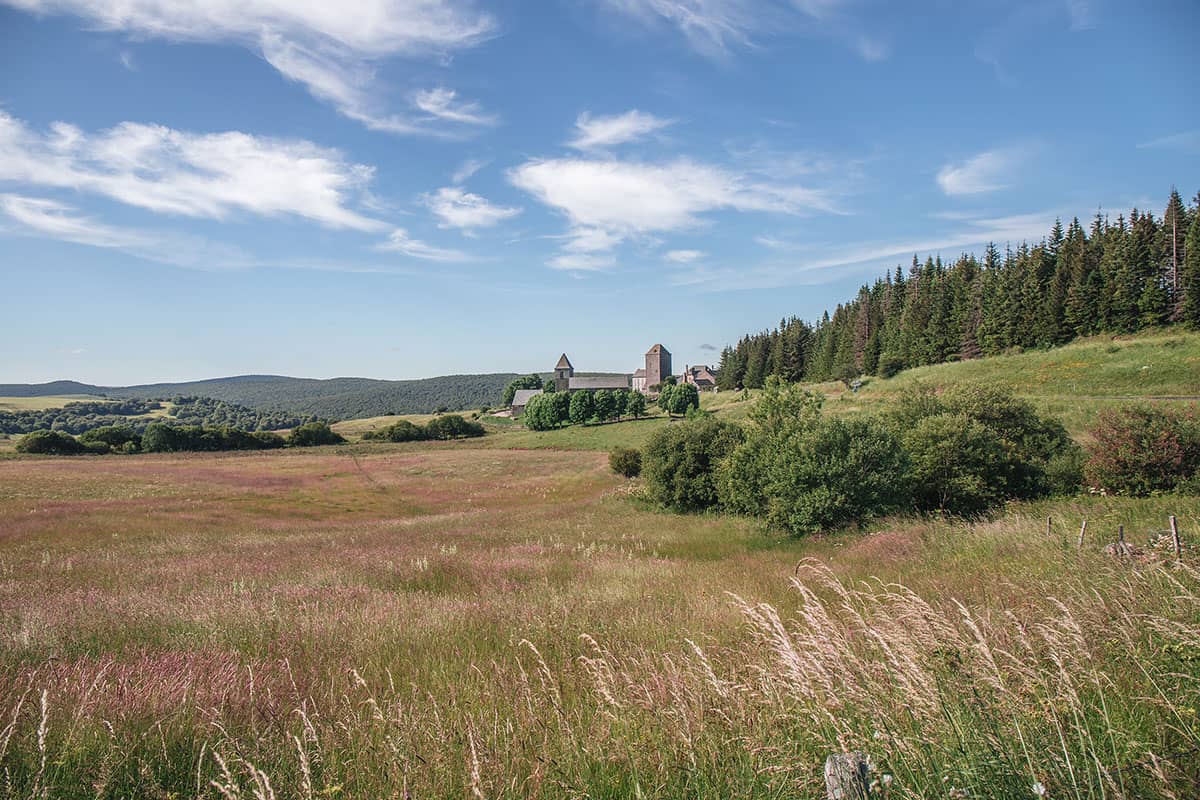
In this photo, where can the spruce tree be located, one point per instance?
(1189, 311)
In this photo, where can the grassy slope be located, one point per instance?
(43, 402)
(525, 626)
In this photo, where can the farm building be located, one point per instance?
(701, 377)
(521, 398)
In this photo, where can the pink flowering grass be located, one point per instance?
(451, 621)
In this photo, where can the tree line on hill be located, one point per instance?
(81, 416)
(963, 452)
(1112, 276)
(339, 398)
(162, 437)
(444, 427)
(552, 410)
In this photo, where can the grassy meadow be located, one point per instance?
(505, 618)
(44, 402)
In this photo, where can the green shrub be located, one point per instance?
(399, 431)
(958, 465)
(836, 473)
(626, 461)
(115, 437)
(313, 434)
(50, 443)
(1033, 444)
(1142, 449)
(679, 462)
(452, 426)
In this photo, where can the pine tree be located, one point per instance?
(1174, 232)
(1190, 275)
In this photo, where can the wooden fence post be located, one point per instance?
(1175, 540)
(846, 777)
(1120, 534)
(1082, 531)
(1047, 526)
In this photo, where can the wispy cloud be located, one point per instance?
(467, 169)
(596, 133)
(833, 263)
(989, 171)
(459, 209)
(331, 48)
(716, 27)
(683, 256)
(1187, 141)
(608, 201)
(444, 104)
(400, 242)
(209, 175)
(46, 218)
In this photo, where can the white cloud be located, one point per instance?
(444, 104)
(684, 256)
(329, 47)
(1188, 141)
(459, 209)
(833, 263)
(581, 262)
(987, 172)
(599, 132)
(467, 169)
(608, 201)
(59, 221)
(37, 216)
(213, 175)
(711, 26)
(400, 242)
(714, 27)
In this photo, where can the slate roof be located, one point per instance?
(640, 373)
(564, 363)
(521, 397)
(600, 382)
(658, 348)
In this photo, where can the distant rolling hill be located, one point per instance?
(335, 398)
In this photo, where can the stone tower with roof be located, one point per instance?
(563, 372)
(658, 365)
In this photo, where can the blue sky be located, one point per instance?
(405, 188)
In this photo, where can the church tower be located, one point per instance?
(658, 365)
(563, 372)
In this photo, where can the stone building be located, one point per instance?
(701, 377)
(658, 366)
(657, 370)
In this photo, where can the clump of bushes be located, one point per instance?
(626, 461)
(1140, 450)
(963, 452)
(163, 438)
(450, 426)
(313, 434)
(50, 443)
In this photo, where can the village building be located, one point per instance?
(702, 377)
(645, 379)
(521, 399)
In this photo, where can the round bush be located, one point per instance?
(626, 461)
(1142, 449)
(836, 473)
(958, 465)
(679, 462)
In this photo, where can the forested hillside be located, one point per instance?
(341, 398)
(1110, 276)
(336, 398)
